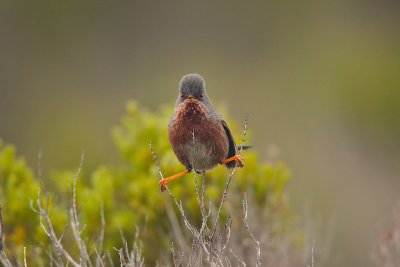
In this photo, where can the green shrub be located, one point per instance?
(129, 192)
(17, 189)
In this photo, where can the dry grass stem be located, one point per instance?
(312, 254)
(246, 224)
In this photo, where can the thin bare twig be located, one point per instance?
(244, 133)
(75, 224)
(188, 225)
(224, 194)
(124, 243)
(258, 247)
(200, 200)
(227, 230)
(312, 254)
(229, 179)
(238, 258)
(49, 231)
(100, 241)
(39, 170)
(4, 260)
(74, 208)
(121, 257)
(153, 154)
(204, 214)
(129, 258)
(177, 261)
(99, 259)
(25, 265)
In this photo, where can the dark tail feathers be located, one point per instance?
(243, 147)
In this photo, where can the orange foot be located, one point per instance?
(237, 158)
(163, 183)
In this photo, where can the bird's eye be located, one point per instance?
(201, 96)
(182, 95)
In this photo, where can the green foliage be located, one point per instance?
(129, 193)
(17, 189)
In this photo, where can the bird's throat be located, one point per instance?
(191, 109)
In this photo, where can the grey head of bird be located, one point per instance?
(192, 87)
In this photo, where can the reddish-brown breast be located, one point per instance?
(197, 138)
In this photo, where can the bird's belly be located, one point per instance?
(201, 156)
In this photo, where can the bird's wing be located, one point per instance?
(232, 146)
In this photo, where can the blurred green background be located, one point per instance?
(320, 80)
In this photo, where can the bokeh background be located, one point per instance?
(320, 81)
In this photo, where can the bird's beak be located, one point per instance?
(191, 97)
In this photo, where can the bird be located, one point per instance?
(199, 136)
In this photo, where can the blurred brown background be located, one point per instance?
(320, 80)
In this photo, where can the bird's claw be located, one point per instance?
(163, 182)
(163, 185)
(239, 161)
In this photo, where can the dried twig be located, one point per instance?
(312, 254)
(177, 260)
(48, 229)
(186, 221)
(227, 231)
(75, 224)
(170, 212)
(25, 265)
(39, 169)
(204, 214)
(244, 133)
(229, 179)
(99, 259)
(4, 260)
(55, 241)
(258, 247)
(100, 241)
(130, 258)
(238, 258)
(224, 194)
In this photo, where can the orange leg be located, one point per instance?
(165, 181)
(239, 160)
